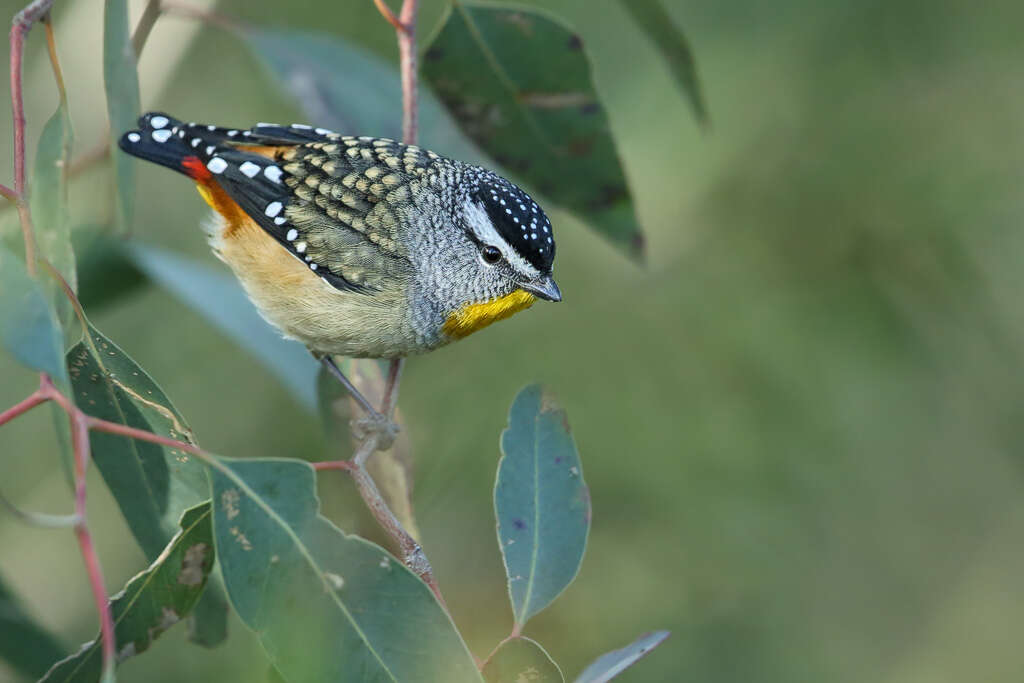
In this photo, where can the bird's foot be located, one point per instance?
(376, 425)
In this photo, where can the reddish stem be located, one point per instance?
(22, 407)
(407, 58)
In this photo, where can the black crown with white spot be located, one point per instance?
(518, 219)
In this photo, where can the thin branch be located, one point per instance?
(146, 23)
(407, 59)
(23, 407)
(389, 16)
(185, 10)
(8, 194)
(40, 519)
(23, 22)
(58, 74)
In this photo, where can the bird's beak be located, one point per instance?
(545, 288)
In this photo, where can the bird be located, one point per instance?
(359, 246)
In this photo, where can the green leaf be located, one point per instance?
(105, 273)
(121, 80)
(25, 645)
(28, 328)
(152, 484)
(153, 601)
(208, 623)
(608, 666)
(519, 660)
(541, 502)
(49, 201)
(219, 298)
(325, 606)
(518, 83)
(651, 17)
(321, 72)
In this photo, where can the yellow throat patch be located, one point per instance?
(473, 317)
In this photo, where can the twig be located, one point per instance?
(388, 15)
(23, 22)
(146, 23)
(407, 58)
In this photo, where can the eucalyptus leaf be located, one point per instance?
(352, 91)
(654, 20)
(219, 298)
(153, 601)
(608, 666)
(519, 660)
(152, 484)
(121, 81)
(541, 502)
(28, 327)
(518, 83)
(325, 605)
(24, 644)
(49, 202)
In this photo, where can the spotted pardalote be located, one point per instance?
(359, 246)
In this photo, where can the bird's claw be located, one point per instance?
(378, 425)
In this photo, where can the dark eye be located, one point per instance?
(491, 254)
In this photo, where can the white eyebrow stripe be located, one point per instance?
(485, 231)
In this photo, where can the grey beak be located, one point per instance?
(545, 288)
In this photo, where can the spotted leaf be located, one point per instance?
(325, 605)
(153, 601)
(491, 66)
(542, 503)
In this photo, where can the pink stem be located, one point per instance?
(407, 58)
(22, 407)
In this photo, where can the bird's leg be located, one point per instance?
(391, 387)
(373, 422)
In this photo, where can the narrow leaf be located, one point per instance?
(153, 601)
(650, 15)
(520, 660)
(325, 606)
(152, 484)
(25, 645)
(49, 199)
(518, 83)
(391, 469)
(608, 666)
(121, 81)
(28, 328)
(219, 298)
(541, 502)
(321, 72)
(208, 623)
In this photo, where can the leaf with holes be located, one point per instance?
(28, 328)
(521, 659)
(221, 300)
(608, 666)
(49, 200)
(25, 645)
(321, 72)
(153, 601)
(541, 502)
(518, 83)
(121, 81)
(651, 17)
(391, 469)
(151, 483)
(325, 605)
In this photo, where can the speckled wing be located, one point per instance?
(348, 199)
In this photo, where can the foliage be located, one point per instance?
(325, 604)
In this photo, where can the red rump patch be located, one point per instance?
(195, 168)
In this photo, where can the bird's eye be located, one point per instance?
(490, 254)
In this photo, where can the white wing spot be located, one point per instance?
(232, 133)
(301, 126)
(273, 173)
(161, 135)
(300, 247)
(280, 220)
(313, 266)
(158, 121)
(211, 128)
(249, 169)
(216, 165)
(323, 131)
(292, 234)
(273, 208)
(209, 149)
(195, 142)
(133, 137)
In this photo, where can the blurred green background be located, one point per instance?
(798, 421)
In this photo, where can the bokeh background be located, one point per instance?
(800, 421)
